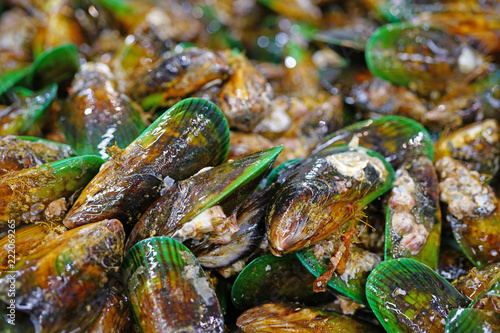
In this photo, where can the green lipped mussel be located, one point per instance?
(97, 115)
(407, 296)
(22, 152)
(194, 207)
(26, 195)
(168, 290)
(318, 195)
(189, 136)
(413, 228)
(62, 285)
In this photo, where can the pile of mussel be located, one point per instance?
(249, 166)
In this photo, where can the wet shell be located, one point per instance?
(62, 285)
(97, 115)
(407, 296)
(321, 193)
(189, 136)
(168, 291)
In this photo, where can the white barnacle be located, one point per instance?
(353, 163)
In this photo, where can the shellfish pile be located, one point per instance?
(249, 166)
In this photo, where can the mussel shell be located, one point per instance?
(10, 79)
(472, 320)
(424, 230)
(116, 315)
(476, 281)
(276, 317)
(394, 137)
(279, 170)
(62, 284)
(351, 286)
(29, 109)
(57, 65)
(398, 53)
(250, 219)
(168, 290)
(189, 136)
(315, 198)
(25, 194)
(97, 115)
(407, 296)
(27, 239)
(231, 182)
(270, 279)
(178, 76)
(22, 152)
(473, 211)
(476, 145)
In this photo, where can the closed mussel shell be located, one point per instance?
(21, 152)
(394, 137)
(413, 228)
(27, 112)
(62, 285)
(473, 211)
(173, 214)
(397, 53)
(189, 136)
(472, 320)
(26, 194)
(477, 281)
(407, 296)
(116, 315)
(277, 317)
(178, 76)
(269, 279)
(476, 145)
(320, 194)
(27, 239)
(97, 115)
(168, 290)
(57, 65)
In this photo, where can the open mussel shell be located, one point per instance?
(168, 290)
(320, 194)
(57, 65)
(276, 317)
(28, 110)
(232, 181)
(189, 136)
(413, 222)
(62, 285)
(394, 137)
(97, 115)
(407, 296)
(22, 152)
(26, 194)
(270, 279)
(472, 320)
(352, 282)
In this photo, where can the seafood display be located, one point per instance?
(249, 166)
